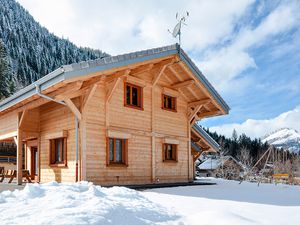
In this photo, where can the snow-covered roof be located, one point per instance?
(214, 163)
(87, 67)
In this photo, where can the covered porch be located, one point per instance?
(19, 132)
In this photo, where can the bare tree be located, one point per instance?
(245, 158)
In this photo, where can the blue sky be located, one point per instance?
(249, 50)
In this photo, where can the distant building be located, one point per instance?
(225, 166)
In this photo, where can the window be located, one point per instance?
(58, 152)
(117, 151)
(169, 103)
(169, 152)
(133, 96)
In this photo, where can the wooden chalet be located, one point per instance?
(126, 119)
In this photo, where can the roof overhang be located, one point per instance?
(76, 70)
(206, 138)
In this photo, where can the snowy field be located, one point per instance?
(83, 203)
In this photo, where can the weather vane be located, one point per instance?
(177, 29)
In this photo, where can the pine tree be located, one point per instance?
(4, 72)
(32, 50)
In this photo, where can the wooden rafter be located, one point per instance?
(115, 84)
(142, 69)
(183, 84)
(210, 113)
(89, 95)
(73, 108)
(195, 157)
(200, 85)
(175, 73)
(199, 102)
(161, 72)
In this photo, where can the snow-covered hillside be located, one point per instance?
(285, 138)
(228, 202)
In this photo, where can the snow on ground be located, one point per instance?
(84, 203)
(232, 203)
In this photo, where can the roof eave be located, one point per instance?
(186, 59)
(215, 146)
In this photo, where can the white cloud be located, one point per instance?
(226, 63)
(259, 128)
(122, 26)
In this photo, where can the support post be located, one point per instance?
(77, 146)
(19, 157)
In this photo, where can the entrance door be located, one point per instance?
(34, 163)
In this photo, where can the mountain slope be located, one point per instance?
(32, 50)
(285, 138)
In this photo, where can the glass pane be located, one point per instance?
(62, 157)
(35, 162)
(119, 150)
(57, 150)
(111, 149)
(165, 101)
(170, 103)
(169, 151)
(128, 95)
(134, 96)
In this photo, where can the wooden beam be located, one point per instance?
(158, 76)
(73, 108)
(195, 111)
(8, 135)
(200, 85)
(88, 96)
(135, 80)
(210, 113)
(199, 102)
(114, 85)
(25, 112)
(183, 84)
(142, 69)
(175, 73)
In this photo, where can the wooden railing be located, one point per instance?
(8, 159)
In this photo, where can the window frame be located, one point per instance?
(140, 96)
(174, 152)
(52, 150)
(174, 102)
(124, 161)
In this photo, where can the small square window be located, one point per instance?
(133, 96)
(169, 103)
(58, 151)
(169, 152)
(117, 153)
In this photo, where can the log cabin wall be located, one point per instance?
(54, 119)
(8, 123)
(137, 123)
